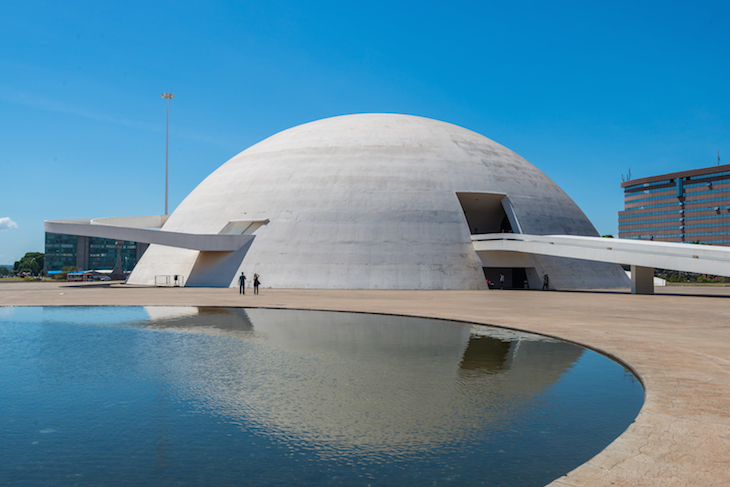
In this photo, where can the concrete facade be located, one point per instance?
(372, 201)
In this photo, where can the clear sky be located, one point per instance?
(583, 90)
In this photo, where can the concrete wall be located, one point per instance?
(82, 252)
(369, 202)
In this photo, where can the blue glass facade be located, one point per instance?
(60, 251)
(88, 253)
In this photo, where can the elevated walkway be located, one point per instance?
(231, 238)
(643, 256)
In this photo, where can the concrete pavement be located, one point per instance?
(677, 341)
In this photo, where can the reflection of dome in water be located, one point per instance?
(372, 201)
(380, 383)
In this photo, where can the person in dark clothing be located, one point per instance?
(242, 284)
(256, 283)
(545, 282)
(501, 281)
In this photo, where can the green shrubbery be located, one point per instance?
(678, 276)
(30, 263)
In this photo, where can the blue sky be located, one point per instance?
(583, 90)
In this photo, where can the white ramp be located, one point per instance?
(639, 254)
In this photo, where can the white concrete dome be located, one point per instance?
(371, 201)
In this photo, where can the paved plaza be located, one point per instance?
(677, 342)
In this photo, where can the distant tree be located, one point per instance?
(607, 236)
(30, 263)
(4, 271)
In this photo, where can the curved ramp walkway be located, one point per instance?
(643, 256)
(233, 236)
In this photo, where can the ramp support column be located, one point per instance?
(642, 280)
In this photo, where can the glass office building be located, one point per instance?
(89, 253)
(688, 206)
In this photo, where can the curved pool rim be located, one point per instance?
(658, 336)
(554, 336)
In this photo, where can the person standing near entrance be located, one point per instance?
(256, 283)
(545, 283)
(242, 284)
(501, 281)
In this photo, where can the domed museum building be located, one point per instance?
(374, 201)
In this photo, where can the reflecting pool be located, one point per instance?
(96, 396)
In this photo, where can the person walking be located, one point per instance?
(256, 283)
(545, 283)
(501, 281)
(242, 284)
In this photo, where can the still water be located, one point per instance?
(96, 396)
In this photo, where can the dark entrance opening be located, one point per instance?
(493, 213)
(484, 212)
(519, 278)
(514, 277)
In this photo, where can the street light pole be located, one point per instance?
(168, 96)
